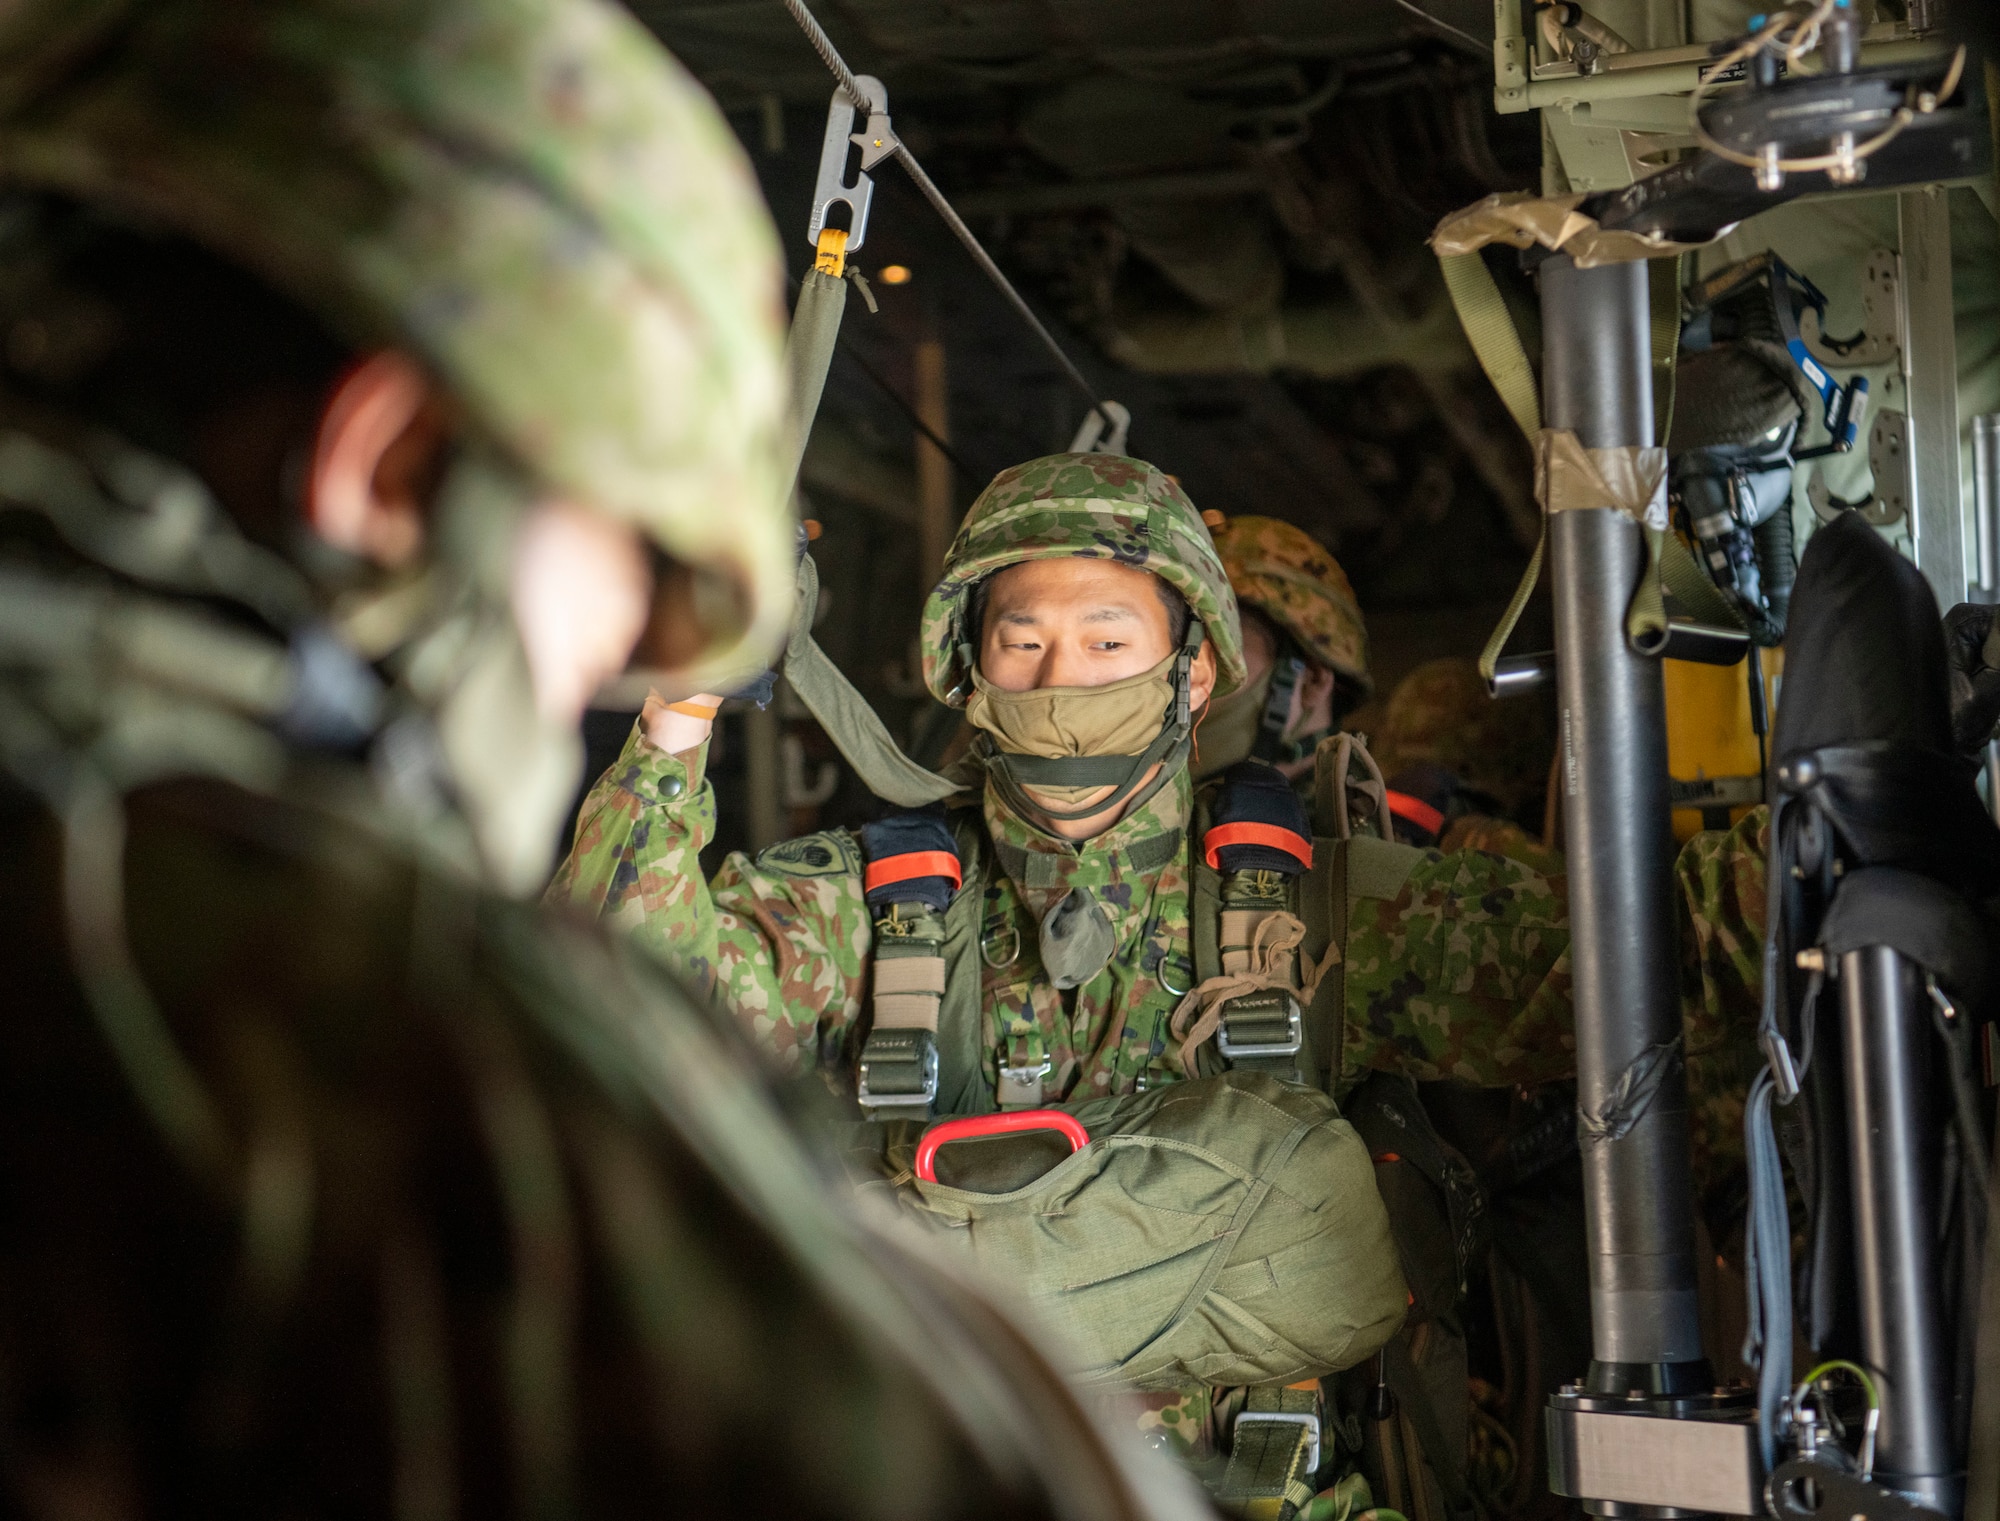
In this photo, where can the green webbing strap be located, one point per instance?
(961, 1031)
(1663, 287)
(1323, 906)
(854, 727)
(1489, 328)
(1267, 1479)
(809, 351)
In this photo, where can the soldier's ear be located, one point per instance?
(377, 454)
(1201, 676)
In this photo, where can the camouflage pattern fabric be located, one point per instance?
(1463, 976)
(1719, 879)
(1289, 576)
(528, 195)
(1500, 837)
(787, 937)
(1440, 714)
(1094, 506)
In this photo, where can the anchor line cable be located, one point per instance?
(851, 87)
(1438, 21)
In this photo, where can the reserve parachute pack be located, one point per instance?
(1238, 1230)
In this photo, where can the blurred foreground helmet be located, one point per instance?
(1101, 506)
(1293, 580)
(529, 196)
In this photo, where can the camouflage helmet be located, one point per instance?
(530, 196)
(1090, 505)
(1288, 576)
(1442, 715)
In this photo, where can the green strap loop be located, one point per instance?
(1489, 328)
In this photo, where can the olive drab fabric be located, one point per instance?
(1290, 577)
(1093, 506)
(1224, 1231)
(528, 195)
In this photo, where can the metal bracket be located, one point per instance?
(1889, 462)
(833, 187)
(1803, 1490)
(1102, 430)
(1693, 1453)
(1881, 319)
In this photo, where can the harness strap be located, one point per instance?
(909, 881)
(1274, 1451)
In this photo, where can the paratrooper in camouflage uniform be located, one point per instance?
(1489, 758)
(337, 1181)
(1462, 976)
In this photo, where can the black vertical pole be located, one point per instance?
(1597, 383)
(1893, 1140)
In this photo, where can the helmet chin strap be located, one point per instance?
(1271, 744)
(1012, 774)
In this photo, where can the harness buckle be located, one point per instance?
(1301, 1418)
(1022, 1084)
(1262, 1024)
(899, 1071)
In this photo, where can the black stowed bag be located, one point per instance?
(1878, 838)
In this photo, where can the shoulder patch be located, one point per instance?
(829, 854)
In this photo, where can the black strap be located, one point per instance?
(1446, 1466)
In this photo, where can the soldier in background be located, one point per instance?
(1305, 648)
(1478, 766)
(373, 376)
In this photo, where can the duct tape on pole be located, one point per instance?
(1631, 1081)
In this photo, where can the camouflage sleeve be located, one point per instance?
(1719, 879)
(1500, 837)
(785, 938)
(1463, 975)
(794, 939)
(636, 861)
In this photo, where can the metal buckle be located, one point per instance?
(1032, 1069)
(1021, 1086)
(1287, 1418)
(1260, 1006)
(899, 1048)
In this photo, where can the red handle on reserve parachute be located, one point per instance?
(978, 1125)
